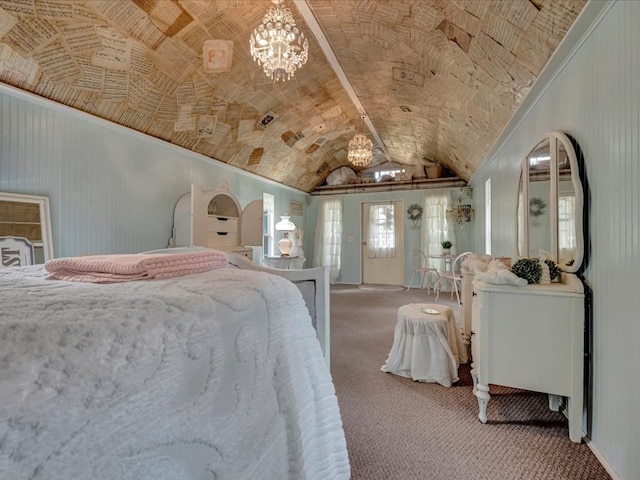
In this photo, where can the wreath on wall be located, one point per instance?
(414, 213)
(537, 207)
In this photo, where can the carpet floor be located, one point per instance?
(381, 288)
(400, 429)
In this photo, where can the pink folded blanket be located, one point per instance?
(129, 267)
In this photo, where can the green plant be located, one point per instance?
(446, 244)
(554, 270)
(529, 269)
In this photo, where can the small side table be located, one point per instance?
(426, 346)
(284, 263)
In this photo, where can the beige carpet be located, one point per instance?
(400, 429)
(380, 288)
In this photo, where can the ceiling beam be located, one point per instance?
(314, 26)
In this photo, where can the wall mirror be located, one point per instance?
(550, 204)
(25, 217)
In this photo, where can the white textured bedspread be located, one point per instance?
(216, 375)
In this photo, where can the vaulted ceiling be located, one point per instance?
(435, 79)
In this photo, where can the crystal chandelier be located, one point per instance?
(278, 45)
(360, 150)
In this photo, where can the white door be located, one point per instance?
(251, 224)
(383, 243)
(199, 226)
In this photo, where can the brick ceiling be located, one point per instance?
(436, 79)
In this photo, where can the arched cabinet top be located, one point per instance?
(215, 218)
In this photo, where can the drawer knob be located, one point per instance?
(474, 294)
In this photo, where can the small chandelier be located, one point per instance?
(278, 45)
(360, 149)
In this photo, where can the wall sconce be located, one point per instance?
(285, 225)
(462, 213)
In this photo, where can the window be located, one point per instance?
(328, 240)
(436, 226)
(566, 227)
(268, 215)
(487, 216)
(391, 173)
(382, 231)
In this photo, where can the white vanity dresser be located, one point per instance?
(532, 337)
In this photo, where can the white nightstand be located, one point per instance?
(284, 263)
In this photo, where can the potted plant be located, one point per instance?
(446, 247)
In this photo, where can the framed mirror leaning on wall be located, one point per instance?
(550, 204)
(25, 223)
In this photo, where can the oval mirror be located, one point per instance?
(550, 202)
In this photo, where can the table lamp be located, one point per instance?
(285, 225)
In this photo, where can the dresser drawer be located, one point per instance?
(227, 239)
(237, 249)
(247, 252)
(222, 224)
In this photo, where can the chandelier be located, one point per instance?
(360, 149)
(278, 45)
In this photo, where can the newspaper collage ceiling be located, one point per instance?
(438, 79)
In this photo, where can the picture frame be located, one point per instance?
(28, 217)
(296, 208)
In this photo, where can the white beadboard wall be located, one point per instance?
(595, 98)
(111, 190)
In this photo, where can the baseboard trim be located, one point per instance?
(601, 459)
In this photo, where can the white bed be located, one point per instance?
(216, 375)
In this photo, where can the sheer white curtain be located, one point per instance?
(382, 232)
(328, 239)
(268, 207)
(436, 226)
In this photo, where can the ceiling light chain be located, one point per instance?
(360, 148)
(278, 45)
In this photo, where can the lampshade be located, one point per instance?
(285, 225)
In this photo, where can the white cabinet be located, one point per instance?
(215, 219)
(532, 338)
(466, 290)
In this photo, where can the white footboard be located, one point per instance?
(313, 283)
